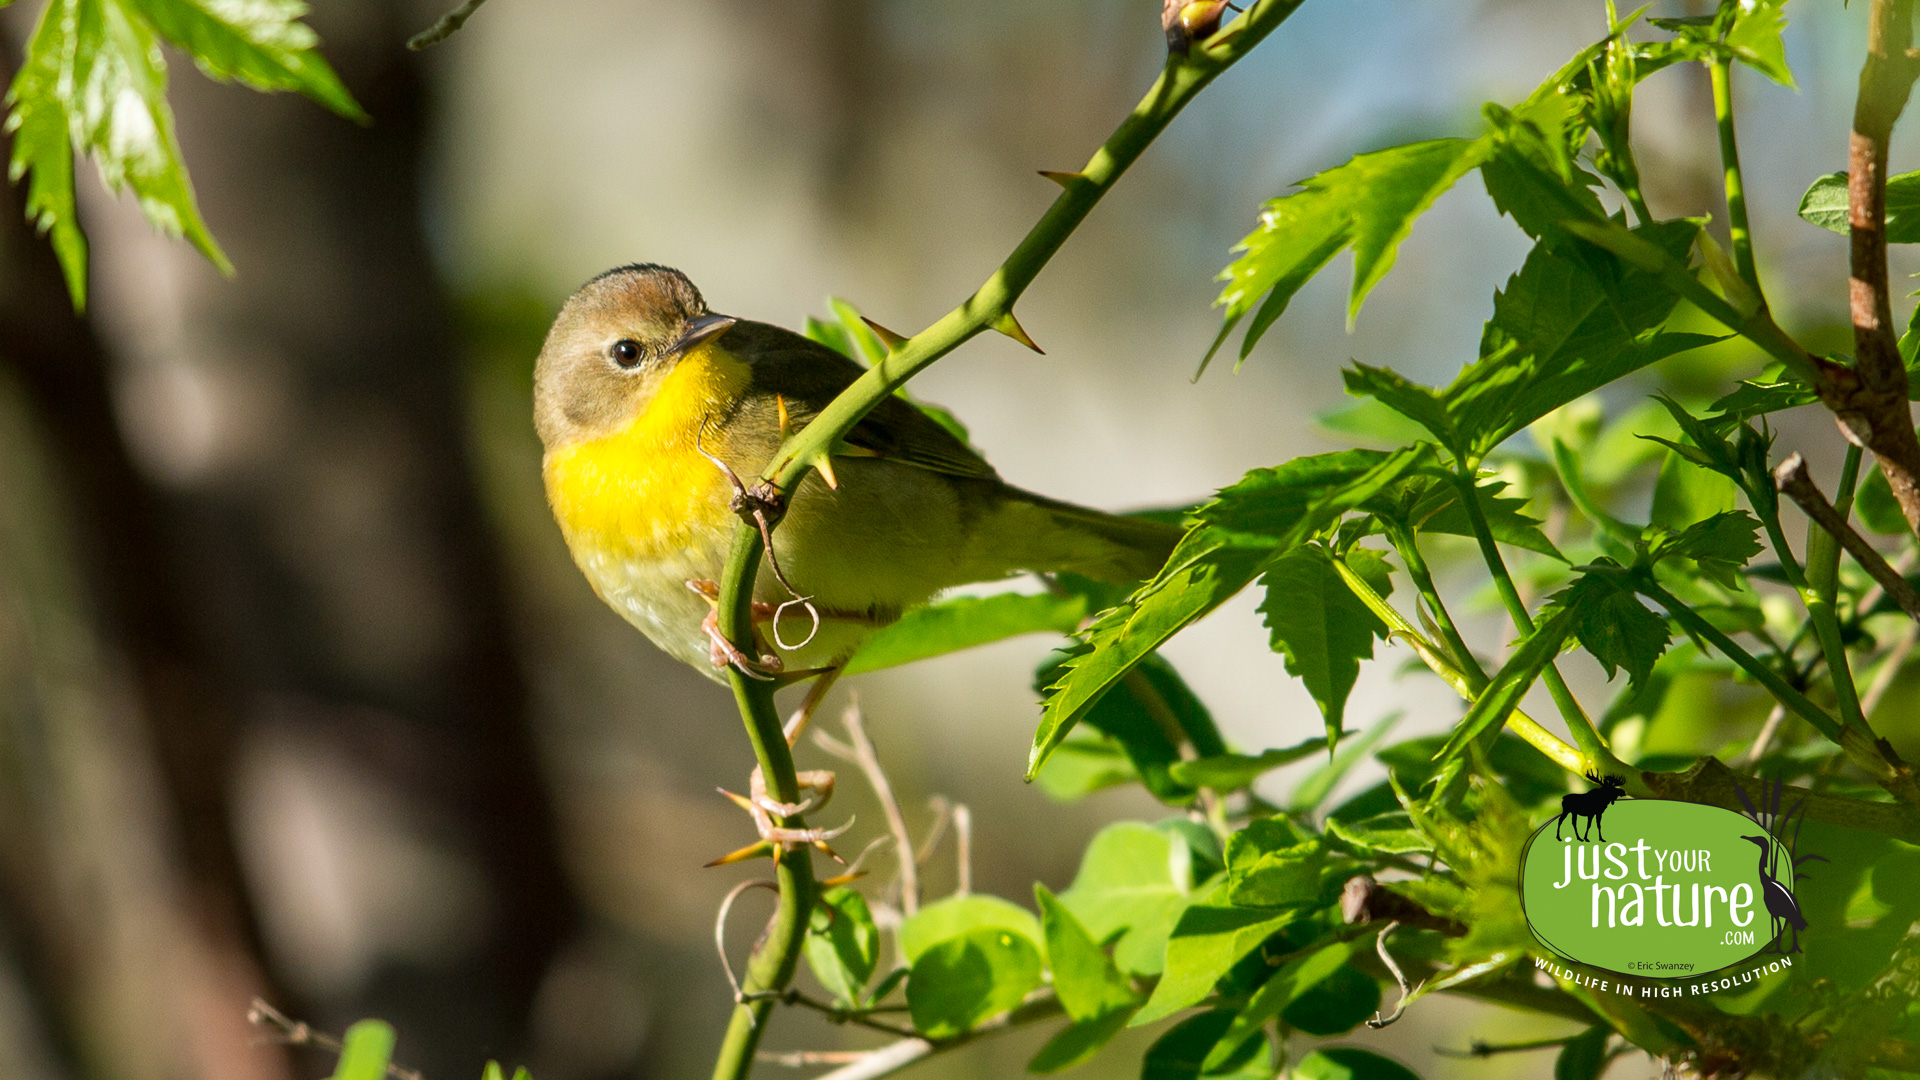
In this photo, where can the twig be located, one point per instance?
(448, 25)
(862, 1017)
(963, 845)
(298, 1033)
(1870, 399)
(800, 1059)
(1399, 1010)
(1480, 1048)
(942, 817)
(1039, 1005)
(1770, 728)
(1793, 481)
(861, 750)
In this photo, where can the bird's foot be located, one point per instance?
(723, 653)
(763, 502)
(777, 838)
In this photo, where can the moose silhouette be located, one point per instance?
(1590, 805)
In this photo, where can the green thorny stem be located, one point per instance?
(1599, 757)
(990, 307)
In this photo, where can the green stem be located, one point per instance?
(991, 306)
(1819, 605)
(1408, 546)
(1741, 233)
(1584, 733)
(1822, 593)
(1436, 659)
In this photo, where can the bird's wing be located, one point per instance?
(806, 375)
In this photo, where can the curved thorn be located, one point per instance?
(1011, 327)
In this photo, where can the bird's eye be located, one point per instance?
(626, 352)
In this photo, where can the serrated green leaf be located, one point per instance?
(1322, 629)
(1392, 832)
(365, 1051)
(1619, 630)
(1133, 881)
(1686, 492)
(843, 944)
(1143, 714)
(1210, 938)
(260, 43)
(964, 622)
(1369, 203)
(1085, 979)
(1350, 1063)
(1720, 545)
(1420, 404)
(959, 915)
(1078, 1042)
(1751, 399)
(1825, 205)
(43, 142)
(959, 983)
(1441, 511)
(1268, 511)
(1231, 772)
(1755, 41)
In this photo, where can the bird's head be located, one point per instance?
(611, 345)
(1760, 840)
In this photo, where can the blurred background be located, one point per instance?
(300, 695)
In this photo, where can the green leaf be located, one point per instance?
(1751, 399)
(1442, 511)
(962, 981)
(1182, 1052)
(1144, 714)
(1585, 1056)
(1392, 832)
(1269, 510)
(955, 916)
(1084, 977)
(1133, 881)
(1210, 938)
(492, 1071)
(1231, 772)
(1272, 863)
(1825, 205)
(964, 622)
(1078, 1042)
(365, 1051)
(1335, 1005)
(1317, 785)
(1350, 1063)
(1754, 38)
(1572, 320)
(1283, 988)
(260, 43)
(1619, 630)
(1370, 202)
(843, 944)
(1420, 404)
(1525, 773)
(1719, 546)
(1512, 682)
(1686, 493)
(94, 70)
(1322, 629)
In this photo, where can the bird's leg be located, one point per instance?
(721, 652)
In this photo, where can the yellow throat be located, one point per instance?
(645, 492)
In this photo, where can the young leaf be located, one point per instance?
(962, 981)
(954, 916)
(1128, 885)
(365, 1051)
(1754, 38)
(1320, 627)
(964, 622)
(263, 45)
(1350, 1063)
(1087, 982)
(1210, 938)
(843, 945)
(1370, 202)
(1825, 205)
(1720, 545)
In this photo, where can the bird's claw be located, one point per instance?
(722, 653)
(775, 838)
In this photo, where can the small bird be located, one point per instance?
(1779, 899)
(650, 406)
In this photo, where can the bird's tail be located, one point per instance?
(1054, 537)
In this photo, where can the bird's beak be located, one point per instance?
(704, 328)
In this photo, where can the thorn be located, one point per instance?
(843, 879)
(751, 851)
(786, 422)
(1064, 179)
(740, 801)
(1011, 327)
(824, 463)
(887, 337)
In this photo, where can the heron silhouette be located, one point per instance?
(1780, 902)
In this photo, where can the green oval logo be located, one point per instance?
(1657, 888)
